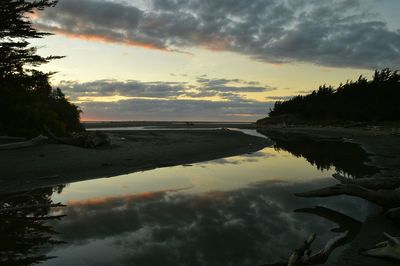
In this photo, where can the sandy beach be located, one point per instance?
(131, 151)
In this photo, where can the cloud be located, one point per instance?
(161, 100)
(129, 88)
(160, 109)
(225, 88)
(329, 33)
(280, 98)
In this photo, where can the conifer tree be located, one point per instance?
(28, 103)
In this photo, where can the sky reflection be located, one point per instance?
(232, 211)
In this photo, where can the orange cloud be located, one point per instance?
(242, 115)
(104, 39)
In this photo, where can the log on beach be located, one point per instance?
(22, 144)
(384, 198)
(374, 183)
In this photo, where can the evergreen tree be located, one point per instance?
(361, 100)
(28, 102)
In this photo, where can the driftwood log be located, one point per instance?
(343, 222)
(303, 256)
(21, 144)
(371, 183)
(85, 139)
(8, 138)
(388, 249)
(385, 198)
(382, 191)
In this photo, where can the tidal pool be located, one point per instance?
(232, 211)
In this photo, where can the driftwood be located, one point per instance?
(384, 198)
(382, 191)
(345, 223)
(8, 138)
(388, 249)
(371, 183)
(303, 255)
(22, 144)
(85, 139)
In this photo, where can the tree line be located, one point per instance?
(29, 104)
(361, 100)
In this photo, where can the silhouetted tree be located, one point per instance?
(360, 100)
(27, 100)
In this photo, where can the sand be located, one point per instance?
(50, 164)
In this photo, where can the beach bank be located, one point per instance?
(49, 164)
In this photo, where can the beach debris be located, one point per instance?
(384, 192)
(385, 197)
(22, 144)
(388, 249)
(85, 139)
(10, 138)
(303, 256)
(343, 222)
(371, 183)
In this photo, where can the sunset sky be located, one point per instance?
(214, 60)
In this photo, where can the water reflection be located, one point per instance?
(247, 226)
(25, 234)
(231, 211)
(346, 158)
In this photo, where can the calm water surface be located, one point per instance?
(232, 211)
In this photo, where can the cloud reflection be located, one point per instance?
(248, 226)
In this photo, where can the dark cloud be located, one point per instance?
(248, 226)
(330, 33)
(130, 88)
(160, 89)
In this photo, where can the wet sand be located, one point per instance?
(131, 151)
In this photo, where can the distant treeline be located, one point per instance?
(361, 100)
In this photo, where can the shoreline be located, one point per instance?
(51, 164)
(382, 145)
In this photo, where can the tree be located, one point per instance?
(361, 100)
(27, 100)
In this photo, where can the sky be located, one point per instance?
(210, 60)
